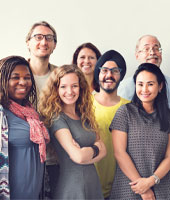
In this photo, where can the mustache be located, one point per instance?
(152, 57)
(111, 78)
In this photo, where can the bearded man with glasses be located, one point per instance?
(110, 69)
(148, 50)
(41, 42)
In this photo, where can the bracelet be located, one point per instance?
(96, 150)
(157, 179)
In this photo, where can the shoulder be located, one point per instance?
(52, 67)
(126, 88)
(124, 101)
(167, 79)
(128, 108)
(127, 81)
(59, 122)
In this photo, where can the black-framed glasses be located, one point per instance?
(48, 37)
(115, 70)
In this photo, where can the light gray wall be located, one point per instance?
(109, 24)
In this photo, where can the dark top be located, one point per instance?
(75, 181)
(25, 168)
(146, 145)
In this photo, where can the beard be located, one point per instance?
(109, 90)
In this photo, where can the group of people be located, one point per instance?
(82, 131)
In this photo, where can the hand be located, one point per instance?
(148, 195)
(141, 185)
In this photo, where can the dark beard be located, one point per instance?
(109, 91)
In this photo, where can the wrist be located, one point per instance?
(151, 181)
(96, 150)
(156, 179)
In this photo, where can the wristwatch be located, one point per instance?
(157, 179)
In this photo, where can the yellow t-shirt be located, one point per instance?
(106, 167)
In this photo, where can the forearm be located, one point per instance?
(102, 153)
(163, 168)
(127, 166)
(82, 155)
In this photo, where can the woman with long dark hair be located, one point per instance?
(141, 139)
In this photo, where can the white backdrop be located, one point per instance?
(109, 24)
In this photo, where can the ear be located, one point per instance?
(160, 87)
(136, 55)
(28, 45)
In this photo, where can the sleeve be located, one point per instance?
(58, 124)
(120, 120)
(126, 88)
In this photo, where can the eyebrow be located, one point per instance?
(147, 81)
(153, 45)
(12, 74)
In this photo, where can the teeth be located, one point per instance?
(22, 90)
(86, 66)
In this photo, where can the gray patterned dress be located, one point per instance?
(146, 145)
(75, 181)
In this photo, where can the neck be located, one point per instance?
(107, 99)
(39, 66)
(90, 79)
(70, 110)
(148, 107)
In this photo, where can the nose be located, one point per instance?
(69, 90)
(22, 81)
(43, 41)
(109, 73)
(151, 51)
(86, 60)
(145, 88)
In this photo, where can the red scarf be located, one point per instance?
(38, 132)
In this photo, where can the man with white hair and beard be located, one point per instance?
(148, 50)
(110, 69)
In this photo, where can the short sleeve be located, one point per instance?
(120, 120)
(58, 123)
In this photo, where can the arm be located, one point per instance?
(119, 140)
(102, 152)
(78, 155)
(138, 186)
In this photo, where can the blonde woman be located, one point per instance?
(66, 108)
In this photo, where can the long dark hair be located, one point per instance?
(161, 101)
(7, 65)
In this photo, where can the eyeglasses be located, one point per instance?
(148, 49)
(115, 70)
(39, 37)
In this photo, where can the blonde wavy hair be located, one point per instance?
(50, 104)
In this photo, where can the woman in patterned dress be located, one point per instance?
(141, 140)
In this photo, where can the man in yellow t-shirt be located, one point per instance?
(109, 71)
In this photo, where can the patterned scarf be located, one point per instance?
(4, 162)
(38, 132)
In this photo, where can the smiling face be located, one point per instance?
(19, 83)
(151, 55)
(109, 82)
(86, 61)
(69, 89)
(43, 48)
(147, 87)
